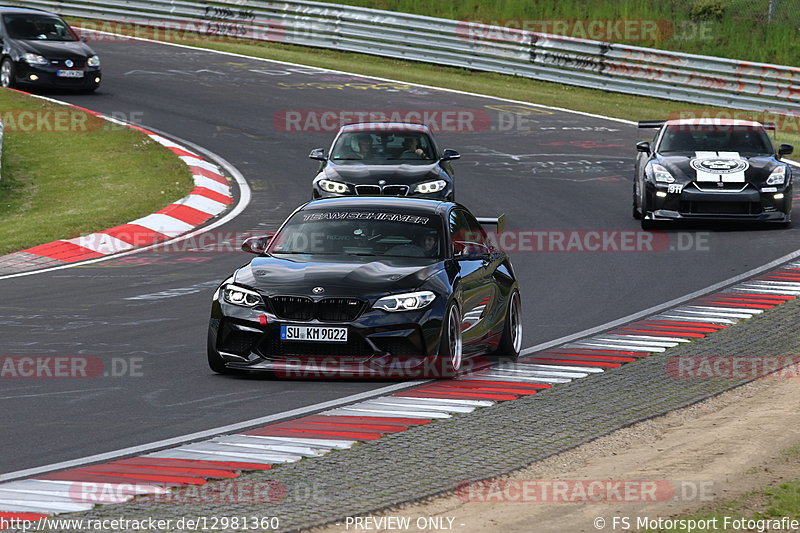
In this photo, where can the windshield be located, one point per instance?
(747, 140)
(35, 27)
(384, 148)
(360, 233)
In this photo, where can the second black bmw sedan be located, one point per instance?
(383, 287)
(384, 159)
(39, 49)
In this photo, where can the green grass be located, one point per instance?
(765, 504)
(727, 28)
(74, 180)
(612, 104)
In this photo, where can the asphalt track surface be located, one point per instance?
(551, 171)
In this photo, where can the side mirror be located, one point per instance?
(318, 154)
(257, 244)
(643, 146)
(450, 155)
(785, 149)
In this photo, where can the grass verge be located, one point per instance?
(625, 106)
(66, 173)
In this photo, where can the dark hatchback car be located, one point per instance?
(39, 49)
(368, 287)
(384, 159)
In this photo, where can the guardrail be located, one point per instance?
(581, 62)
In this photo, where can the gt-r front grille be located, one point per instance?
(382, 190)
(721, 186)
(326, 309)
(720, 208)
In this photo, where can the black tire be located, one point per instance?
(647, 224)
(636, 214)
(511, 341)
(7, 73)
(450, 346)
(215, 361)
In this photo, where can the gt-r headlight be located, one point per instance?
(233, 294)
(430, 187)
(35, 59)
(410, 301)
(778, 176)
(333, 186)
(93, 61)
(661, 174)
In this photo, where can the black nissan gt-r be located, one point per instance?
(381, 287)
(705, 169)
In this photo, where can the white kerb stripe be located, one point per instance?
(169, 144)
(101, 243)
(197, 162)
(165, 224)
(201, 203)
(208, 183)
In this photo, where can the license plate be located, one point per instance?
(69, 73)
(313, 334)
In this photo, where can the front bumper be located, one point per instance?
(749, 204)
(47, 77)
(380, 344)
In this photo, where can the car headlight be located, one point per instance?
(661, 174)
(333, 186)
(778, 176)
(410, 301)
(35, 59)
(93, 61)
(430, 187)
(236, 295)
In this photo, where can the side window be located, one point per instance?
(466, 231)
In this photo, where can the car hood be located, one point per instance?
(58, 49)
(727, 166)
(358, 174)
(363, 277)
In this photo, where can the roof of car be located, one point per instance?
(375, 202)
(712, 122)
(16, 9)
(385, 126)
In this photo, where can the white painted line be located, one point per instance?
(626, 347)
(228, 455)
(450, 401)
(294, 449)
(353, 411)
(756, 289)
(749, 311)
(244, 447)
(584, 369)
(715, 314)
(542, 373)
(315, 443)
(694, 318)
(634, 342)
(526, 377)
(44, 507)
(101, 243)
(650, 338)
(408, 403)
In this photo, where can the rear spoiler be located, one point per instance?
(651, 123)
(500, 222)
